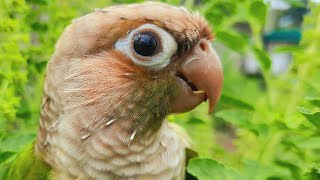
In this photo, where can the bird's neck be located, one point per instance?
(144, 110)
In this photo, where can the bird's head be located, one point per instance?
(139, 62)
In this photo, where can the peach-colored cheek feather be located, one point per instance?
(103, 116)
(113, 88)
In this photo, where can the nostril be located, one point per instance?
(204, 45)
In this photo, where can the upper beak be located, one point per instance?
(203, 70)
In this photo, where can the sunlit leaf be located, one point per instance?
(239, 119)
(258, 10)
(309, 143)
(313, 117)
(287, 48)
(208, 169)
(235, 117)
(15, 143)
(314, 100)
(255, 170)
(263, 58)
(232, 40)
(227, 100)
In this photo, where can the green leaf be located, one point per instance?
(314, 172)
(208, 169)
(254, 170)
(14, 143)
(287, 48)
(258, 10)
(232, 40)
(263, 58)
(231, 101)
(314, 118)
(314, 100)
(5, 156)
(295, 170)
(3, 170)
(240, 119)
(309, 143)
(235, 117)
(194, 120)
(40, 2)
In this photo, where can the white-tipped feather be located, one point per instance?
(110, 122)
(86, 136)
(133, 135)
(199, 92)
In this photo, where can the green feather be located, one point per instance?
(26, 166)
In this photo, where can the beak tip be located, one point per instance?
(211, 106)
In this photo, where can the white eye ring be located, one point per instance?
(167, 47)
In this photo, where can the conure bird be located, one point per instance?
(115, 75)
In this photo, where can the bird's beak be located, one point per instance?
(200, 78)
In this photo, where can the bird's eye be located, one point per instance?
(145, 44)
(148, 46)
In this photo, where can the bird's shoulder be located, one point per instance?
(27, 166)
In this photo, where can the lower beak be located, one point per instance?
(201, 79)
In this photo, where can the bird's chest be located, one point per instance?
(102, 157)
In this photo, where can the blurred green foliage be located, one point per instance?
(263, 128)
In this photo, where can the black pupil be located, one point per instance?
(145, 44)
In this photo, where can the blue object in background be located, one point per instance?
(288, 36)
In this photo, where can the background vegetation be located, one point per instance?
(264, 127)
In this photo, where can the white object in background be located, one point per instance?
(278, 4)
(280, 62)
(250, 64)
